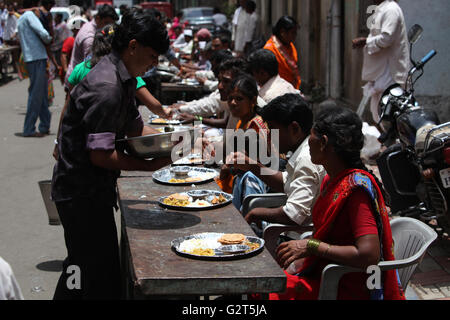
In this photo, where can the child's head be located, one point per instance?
(102, 43)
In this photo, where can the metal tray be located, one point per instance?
(164, 175)
(154, 120)
(218, 255)
(213, 193)
(156, 145)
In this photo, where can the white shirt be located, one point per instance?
(9, 288)
(302, 180)
(275, 87)
(241, 17)
(253, 30)
(387, 44)
(10, 27)
(220, 19)
(180, 42)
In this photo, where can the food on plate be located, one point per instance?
(231, 238)
(203, 252)
(200, 203)
(177, 199)
(187, 180)
(159, 120)
(218, 200)
(252, 245)
(200, 247)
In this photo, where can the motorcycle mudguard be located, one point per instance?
(399, 178)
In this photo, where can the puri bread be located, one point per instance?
(179, 197)
(231, 238)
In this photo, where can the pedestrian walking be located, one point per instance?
(386, 52)
(33, 38)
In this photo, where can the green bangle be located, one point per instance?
(312, 246)
(198, 118)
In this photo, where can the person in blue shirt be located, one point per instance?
(33, 38)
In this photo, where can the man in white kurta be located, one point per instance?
(241, 20)
(386, 52)
(9, 288)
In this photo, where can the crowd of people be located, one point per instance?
(105, 67)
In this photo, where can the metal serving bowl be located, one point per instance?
(180, 171)
(198, 194)
(158, 145)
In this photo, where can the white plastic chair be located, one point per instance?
(411, 240)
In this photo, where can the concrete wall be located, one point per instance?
(434, 17)
(312, 45)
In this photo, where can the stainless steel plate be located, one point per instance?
(213, 193)
(157, 145)
(156, 120)
(165, 175)
(211, 238)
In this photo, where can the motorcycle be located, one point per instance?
(415, 167)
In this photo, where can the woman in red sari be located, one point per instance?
(282, 45)
(350, 218)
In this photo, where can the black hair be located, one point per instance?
(233, 64)
(218, 57)
(58, 15)
(246, 84)
(284, 23)
(288, 108)
(154, 12)
(46, 3)
(224, 37)
(251, 5)
(30, 3)
(143, 27)
(263, 59)
(106, 11)
(102, 43)
(343, 127)
(221, 56)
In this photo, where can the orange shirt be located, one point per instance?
(287, 58)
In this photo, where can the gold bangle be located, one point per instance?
(312, 246)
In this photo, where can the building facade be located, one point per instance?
(330, 68)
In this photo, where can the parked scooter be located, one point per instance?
(415, 168)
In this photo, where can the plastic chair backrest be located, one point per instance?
(411, 237)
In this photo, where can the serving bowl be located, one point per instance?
(160, 144)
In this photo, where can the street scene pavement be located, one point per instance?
(35, 250)
(331, 83)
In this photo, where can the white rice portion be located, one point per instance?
(191, 244)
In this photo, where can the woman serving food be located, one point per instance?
(101, 111)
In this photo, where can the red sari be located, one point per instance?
(325, 212)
